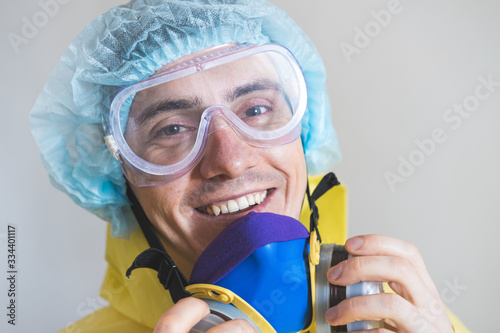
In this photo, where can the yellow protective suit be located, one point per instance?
(137, 303)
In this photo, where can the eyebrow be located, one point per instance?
(167, 105)
(195, 103)
(255, 85)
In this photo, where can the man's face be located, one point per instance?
(231, 175)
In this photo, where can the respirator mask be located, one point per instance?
(269, 270)
(276, 288)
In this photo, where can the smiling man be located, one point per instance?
(226, 138)
(186, 116)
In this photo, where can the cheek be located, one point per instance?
(160, 203)
(291, 153)
(163, 206)
(298, 189)
(290, 161)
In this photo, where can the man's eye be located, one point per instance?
(256, 110)
(173, 129)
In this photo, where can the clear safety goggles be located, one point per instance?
(159, 127)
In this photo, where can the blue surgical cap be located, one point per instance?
(130, 43)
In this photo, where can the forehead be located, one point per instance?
(211, 84)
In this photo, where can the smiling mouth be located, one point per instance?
(234, 205)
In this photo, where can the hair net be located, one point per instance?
(128, 44)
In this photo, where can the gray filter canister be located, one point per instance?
(328, 295)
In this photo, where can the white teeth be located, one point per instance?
(232, 206)
(263, 196)
(251, 199)
(257, 198)
(216, 210)
(241, 203)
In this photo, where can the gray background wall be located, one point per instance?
(393, 92)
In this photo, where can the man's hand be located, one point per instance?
(415, 307)
(188, 312)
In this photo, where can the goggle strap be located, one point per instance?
(156, 257)
(112, 146)
(328, 182)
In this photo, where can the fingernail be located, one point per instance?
(335, 272)
(354, 243)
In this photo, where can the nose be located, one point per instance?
(226, 155)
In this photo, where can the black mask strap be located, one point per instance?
(327, 182)
(156, 257)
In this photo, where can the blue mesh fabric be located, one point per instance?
(128, 44)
